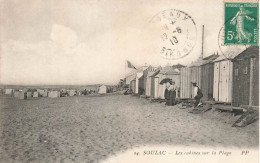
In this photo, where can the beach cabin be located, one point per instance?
(29, 94)
(189, 75)
(130, 77)
(170, 72)
(246, 77)
(42, 92)
(207, 77)
(19, 95)
(102, 89)
(72, 92)
(35, 94)
(178, 66)
(155, 84)
(186, 87)
(9, 91)
(223, 78)
(53, 94)
(147, 79)
(132, 85)
(195, 74)
(139, 80)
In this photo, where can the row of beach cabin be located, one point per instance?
(34, 93)
(233, 79)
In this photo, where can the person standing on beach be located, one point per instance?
(170, 93)
(197, 94)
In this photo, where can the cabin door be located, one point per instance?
(244, 82)
(156, 87)
(216, 81)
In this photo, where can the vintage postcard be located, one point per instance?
(124, 81)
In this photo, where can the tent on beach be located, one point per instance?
(102, 89)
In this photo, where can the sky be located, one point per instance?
(81, 42)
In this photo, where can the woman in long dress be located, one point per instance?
(170, 93)
(239, 21)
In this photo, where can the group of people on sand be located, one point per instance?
(171, 92)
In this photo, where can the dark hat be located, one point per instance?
(193, 83)
(166, 80)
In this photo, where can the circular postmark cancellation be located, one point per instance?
(230, 49)
(176, 33)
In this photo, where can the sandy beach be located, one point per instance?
(92, 129)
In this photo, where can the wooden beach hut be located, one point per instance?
(132, 85)
(223, 78)
(72, 92)
(29, 94)
(19, 95)
(155, 85)
(141, 85)
(42, 92)
(130, 77)
(189, 75)
(139, 80)
(207, 77)
(53, 94)
(9, 91)
(195, 74)
(186, 87)
(35, 94)
(246, 77)
(147, 79)
(170, 72)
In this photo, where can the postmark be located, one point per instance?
(176, 33)
(241, 25)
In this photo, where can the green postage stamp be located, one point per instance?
(241, 23)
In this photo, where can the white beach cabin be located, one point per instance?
(102, 89)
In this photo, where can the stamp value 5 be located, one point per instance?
(241, 23)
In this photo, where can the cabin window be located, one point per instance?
(236, 72)
(245, 70)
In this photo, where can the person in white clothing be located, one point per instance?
(197, 94)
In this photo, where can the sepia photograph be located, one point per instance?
(124, 81)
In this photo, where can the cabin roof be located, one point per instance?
(250, 52)
(198, 62)
(209, 59)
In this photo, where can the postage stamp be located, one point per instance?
(177, 33)
(241, 23)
